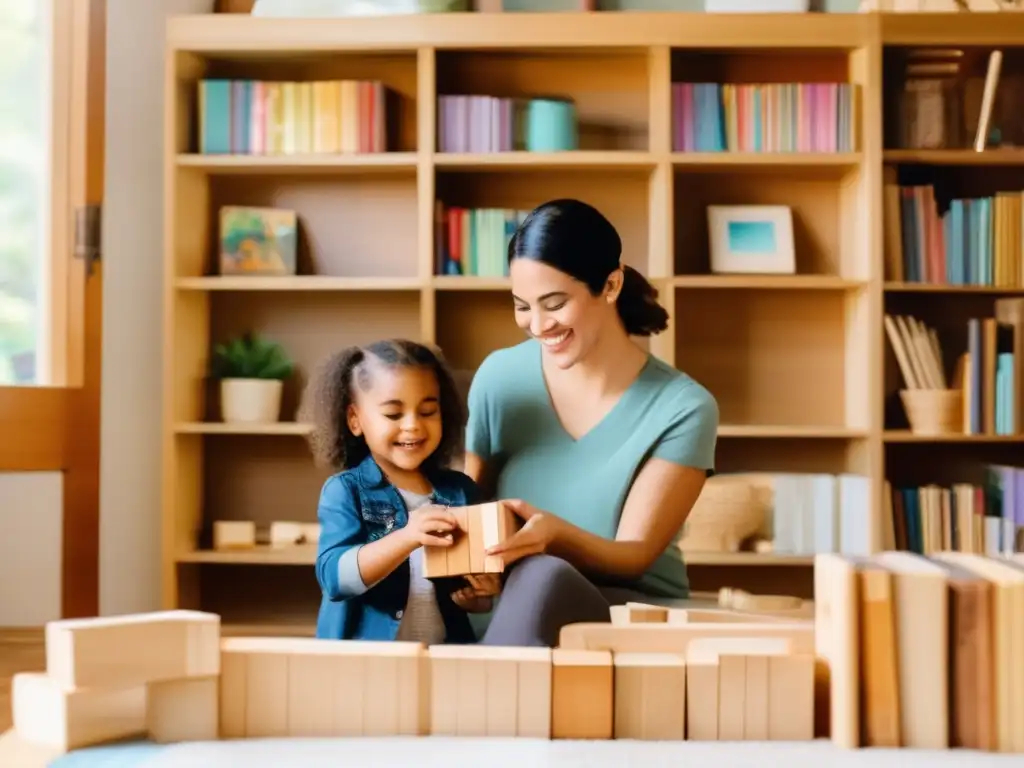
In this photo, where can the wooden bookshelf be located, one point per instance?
(797, 363)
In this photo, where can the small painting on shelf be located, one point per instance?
(258, 241)
(751, 239)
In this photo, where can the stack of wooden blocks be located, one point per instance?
(923, 652)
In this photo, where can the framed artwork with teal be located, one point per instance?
(751, 239)
(258, 241)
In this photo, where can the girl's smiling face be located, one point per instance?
(397, 410)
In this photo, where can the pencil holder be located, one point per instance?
(933, 411)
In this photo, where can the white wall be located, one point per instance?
(132, 303)
(30, 547)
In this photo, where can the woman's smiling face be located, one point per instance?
(557, 310)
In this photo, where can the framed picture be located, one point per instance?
(751, 239)
(258, 241)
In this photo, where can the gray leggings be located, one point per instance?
(541, 595)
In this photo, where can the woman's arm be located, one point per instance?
(657, 506)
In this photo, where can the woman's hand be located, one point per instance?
(478, 595)
(539, 530)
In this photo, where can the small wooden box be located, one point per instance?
(480, 527)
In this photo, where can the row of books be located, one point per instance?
(984, 519)
(483, 124)
(922, 649)
(975, 241)
(474, 241)
(254, 117)
(778, 117)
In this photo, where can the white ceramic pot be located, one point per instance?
(250, 401)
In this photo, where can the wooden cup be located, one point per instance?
(933, 411)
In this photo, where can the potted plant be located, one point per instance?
(252, 371)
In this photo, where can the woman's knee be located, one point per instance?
(547, 571)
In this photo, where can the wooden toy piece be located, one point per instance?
(1007, 583)
(61, 719)
(922, 627)
(675, 638)
(480, 527)
(728, 657)
(582, 694)
(287, 534)
(132, 649)
(739, 600)
(791, 697)
(724, 616)
(302, 686)
(701, 693)
(16, 751)
(880, 705)
(650, 696)
(234, 534)
(311, 533)
(641, 613)
(183, 710)
(837, 633)
(490, 691)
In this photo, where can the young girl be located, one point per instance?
(388, 419)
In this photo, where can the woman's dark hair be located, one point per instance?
(575, 238)
(332, 391)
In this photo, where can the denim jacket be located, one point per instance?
(358, 506)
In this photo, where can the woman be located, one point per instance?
(604, 447)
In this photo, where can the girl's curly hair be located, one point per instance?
(332, 391)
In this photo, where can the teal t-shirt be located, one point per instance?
(514, 427)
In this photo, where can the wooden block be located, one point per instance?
(310, 533)
(727, 616)
(234, 534)
(183, 710)
(922, 637)
(313, 685)
(15, 751)
(232, 694)
(676, 638)
(490, 690)
(791, 698)
(880, 705)
(641, 613)
(287, 534)
(755, 712)
(481, 526)
(533, 708)
(837, 636)
(701, 693)
(1007, 580)
(133, 649)
(363, 690)
(650, 696)
(49, 715)
(582, 694)
(732, 692)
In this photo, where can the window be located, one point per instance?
(25, 141)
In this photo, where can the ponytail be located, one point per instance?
(638, 305)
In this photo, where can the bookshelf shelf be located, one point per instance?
(798, 363)
(547, 161)
(905, 436)
(955, 157)
(768, 282)
(221, 428)
(261, 555)
(298, 283)
(318, 164)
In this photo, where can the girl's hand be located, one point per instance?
(468, 600)
(534, 538)
(430, 526)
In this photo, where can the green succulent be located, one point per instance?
(251, 357)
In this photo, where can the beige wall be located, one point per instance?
(132, 239)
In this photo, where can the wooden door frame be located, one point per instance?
(57, 428)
